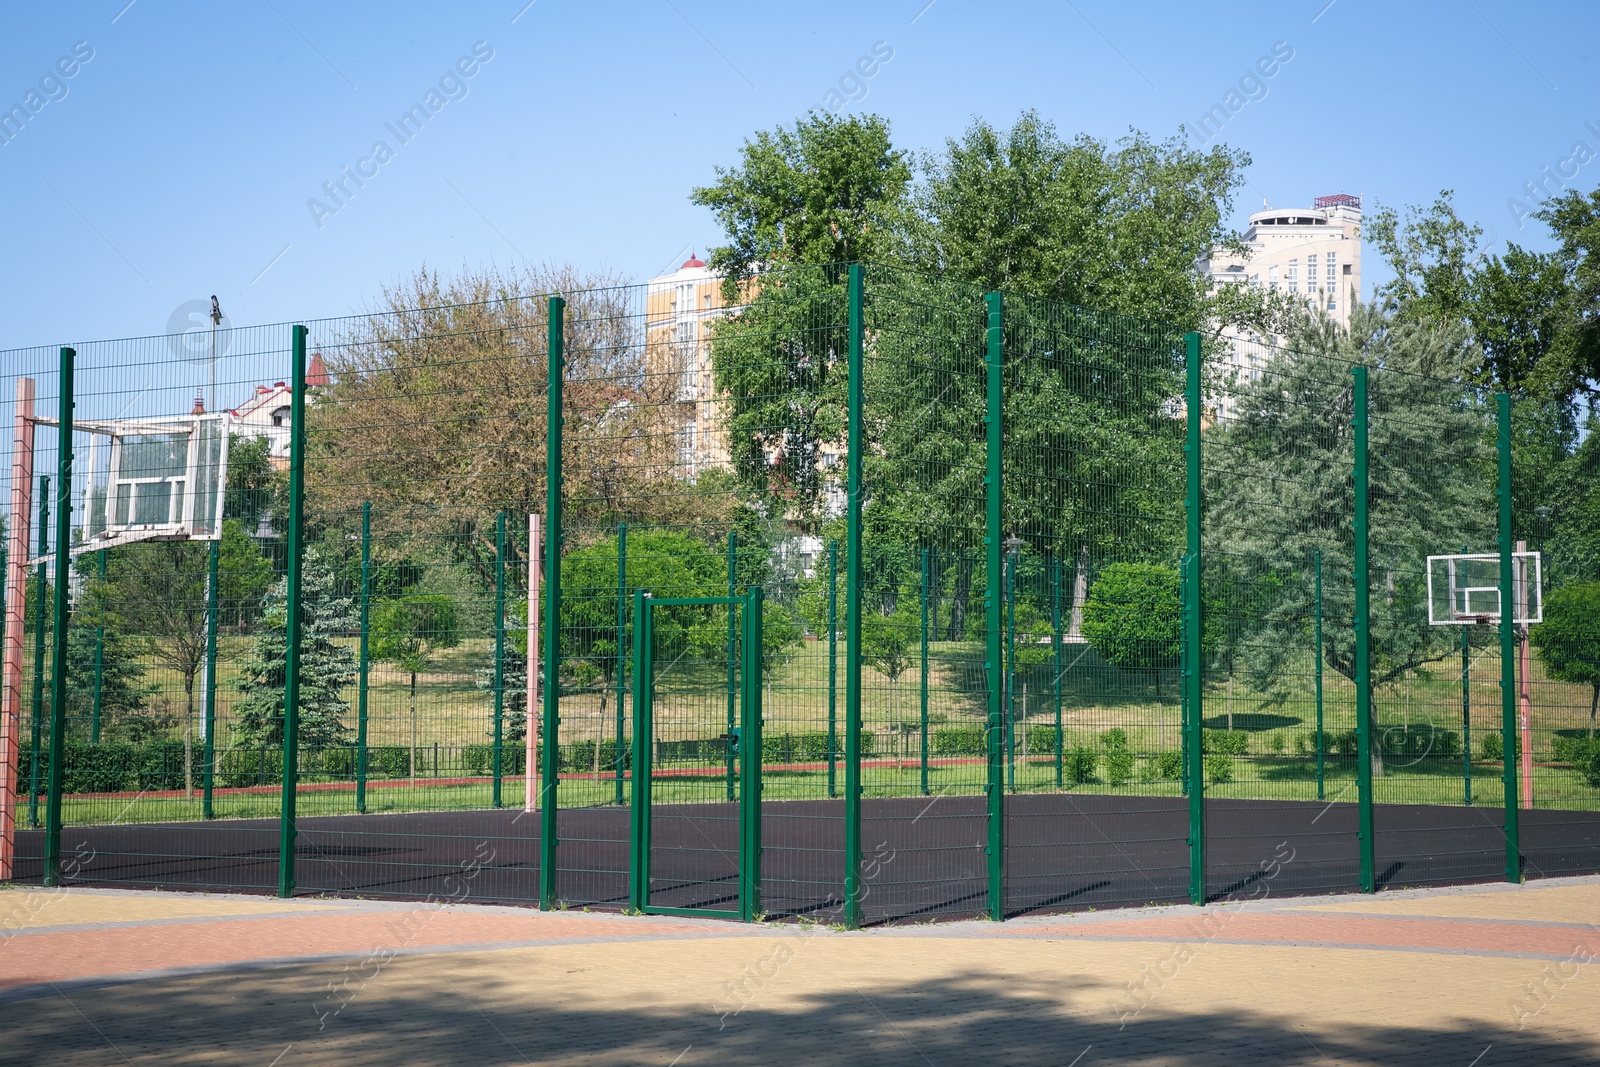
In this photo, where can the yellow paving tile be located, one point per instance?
(1529, 903)
(23, 907)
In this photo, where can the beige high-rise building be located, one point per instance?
(679, 310)
(1311, 253)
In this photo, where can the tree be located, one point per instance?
(1434, 255)
(1132, 616)
(406, 632)
(254, 486)
(327, 666)
(1568, 640)
(830, 190)
(1574, 220)
(100, 652)
(243, 575)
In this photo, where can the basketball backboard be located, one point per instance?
(1464, 589)
(156, 479)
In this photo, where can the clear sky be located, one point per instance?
(179, 160)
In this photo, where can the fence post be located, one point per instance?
(363, 658)
(852, 614)
(291, 679)
(100, 658)
(638, 838)
(36, 724)
(549, 757)
(1508, 643)
(1055, 653)
(1194, 621)
(1466, 718)
(733, 635)
(500, 652)
(750, 761)
(622, 659)
(1318, 563)
(833, 664)
(58, 680)
(213, 550)
(1011, 670)
(994, 666)
(926, 574)
(1363, 634)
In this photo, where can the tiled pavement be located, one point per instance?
(1469, 977)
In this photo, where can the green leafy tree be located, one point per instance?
(406, 632)
(1574, 221)
(1568, 640)
(101, 652)
(327, 666)
(255, 486)
(243, 575)
(1132, 616)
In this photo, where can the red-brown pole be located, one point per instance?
(16, 583)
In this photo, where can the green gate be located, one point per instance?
(696, 756)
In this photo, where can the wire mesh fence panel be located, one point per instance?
(924, 692)
(1432, 491)
(1279, 729)
(1093, 521)
(1558, 667)
(425, 448)
(164, 563)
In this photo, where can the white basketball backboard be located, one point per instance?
(1464, 589)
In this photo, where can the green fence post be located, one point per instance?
(994, 666)
(925, 580)
(1194, 620)
(549, 756)
(1466, 718)
(58, 659)
(1055, 654)
(852, 614)
(750, 760)
(1363, 635)
(363, 658)
(733, 635)
(1318, 561)
(1183, 672)
(36, 755)
(638, 841)
(99, 659)
(622, 636)
(833, 664)
(210, 696)
(500, 654)
(1508, 643)
(291, 679)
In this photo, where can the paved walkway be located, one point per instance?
(1469, 977)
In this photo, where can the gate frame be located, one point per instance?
(750, 713)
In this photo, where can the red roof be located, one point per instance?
(316, 373)
(692, 261)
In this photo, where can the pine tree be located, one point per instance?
(326, 667)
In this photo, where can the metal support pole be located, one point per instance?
(925, 580)
(852, 625)
(1055, 654)
(1524, 676)
(833, 665)
(622, 659)
(1193, 622)
(994, 666)
(549, 756)
(363, 658)
(1320, 741)
(530, 693)
(39, 616)
(100, 659)
(750, 761)
(733, 636)
(1508, 644)
(1363, 635)
(210, 694)
(497, 797)
(291, 680)
(12, 631)
(638, 835)
(1011, 672)
(1466, 718)
(58, 687)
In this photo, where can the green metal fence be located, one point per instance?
(960, 603)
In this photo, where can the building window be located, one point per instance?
(1294, 275)
(1333, 280)
(1272, 278)
(280, 417)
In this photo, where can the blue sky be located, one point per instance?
(181, 158)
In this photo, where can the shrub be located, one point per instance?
(160, 765)
(1079, 764)
(1491, 747)
(246, 766)
(1591, 770)
(1343, 743)
(1041, 739)
(1114, 739)
(1119, 766)
(1225, 742)
(1169, 765)
(1277, 743)
(1577, 751)
(1219, 768)
(476, 759)
(392, 760)
(1131, 616)
(961, 741)
(339, 762)
(810, 746)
